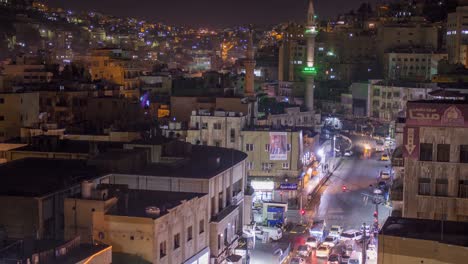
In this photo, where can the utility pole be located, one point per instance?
(364, 241)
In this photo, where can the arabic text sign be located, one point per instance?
(425, 114)
(411, 142)
(288, 186)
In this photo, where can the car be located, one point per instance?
(344, 258)
(382, 185)
(304, 250)
(348, 153)
(384, 157)
(274, 233)
(351, 234)
(330, 241)
(313, 242)
(355, 258)
(334, 259)
(297, 260)
(336, 230)
(322, 252)
(377, 191)
(318, 227)
(371, 252)
(384, 175)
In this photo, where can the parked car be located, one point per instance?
(371, 252)
(297, 260)
(382, 185)
(334, 259)
(304, 251)
(344, 258)
(274, 233)
(330, 241)
(351, 234)
(313, 242)
(384, 175)
(348, 153)
(335, 230)
(322, 252)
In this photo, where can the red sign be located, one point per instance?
(411, 142)
(436, 114)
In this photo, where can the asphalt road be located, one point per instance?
(346, 208)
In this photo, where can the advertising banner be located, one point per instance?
(278, 146)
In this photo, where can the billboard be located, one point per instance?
(278, 146)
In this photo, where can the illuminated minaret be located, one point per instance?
(309, 70)
(249, 65)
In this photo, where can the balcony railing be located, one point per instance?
(237, 197)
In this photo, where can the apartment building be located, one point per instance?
(387, 99)
(436, 156)
(17, 110)
(457, 35)
(412, 64)
(216, 128)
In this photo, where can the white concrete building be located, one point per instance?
(387, 100)
(418, 65)
(217, 128)
(457, 35)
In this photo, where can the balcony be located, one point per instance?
(223, 214)
(237, 197)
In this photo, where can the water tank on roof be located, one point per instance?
(86, 189)
(152, 211)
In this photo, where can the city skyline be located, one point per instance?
(207, 12)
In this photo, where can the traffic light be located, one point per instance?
(302, 211)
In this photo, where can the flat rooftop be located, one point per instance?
(36, 177)
(139, 200)
(447, 232)
(203, 162)
(43, 144)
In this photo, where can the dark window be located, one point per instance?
(177, 241)
(201, 226)
(2, 118)
(424, 186)
(441, 187)
(233, 135)
(2, 100)
(217, 126)
(162, 249)
(443, 152)
(204, 125)
(189, 233)
(425, 152)
(267, 147)
(464, 153)
(225, 236)
(463, 189)
(219, 241)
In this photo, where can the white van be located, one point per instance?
(274, 233)
(355, 258)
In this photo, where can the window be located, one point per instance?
(285, 165)
(250, 165)
(441, 187)
(266, 166)
(177, 241)
(201, 226)
(189, 233)
(204, 126)
(2, 134)
(217, 143)
(2, 118)
(425, 152)
(233, 135)
(162, 249)
(267, 147)
(424, 186)
(2, 100)
(443, 152)
(463, 189)
(217, 126)
(288, 146)
(219, 241)
(396, 94)
(249, 147)
(376, 92)
(464, 153)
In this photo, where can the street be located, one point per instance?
(346, 208)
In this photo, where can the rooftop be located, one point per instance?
(36, 177)
(53, 144)
(202, 162)
(447, 232)
(139, 200)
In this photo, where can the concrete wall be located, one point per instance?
(406, 250)
(17, 110)
(19, 216)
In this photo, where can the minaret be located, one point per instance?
(249, 65)
(309, 70)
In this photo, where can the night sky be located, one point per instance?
(213, 13)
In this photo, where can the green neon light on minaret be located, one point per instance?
(309, 70)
